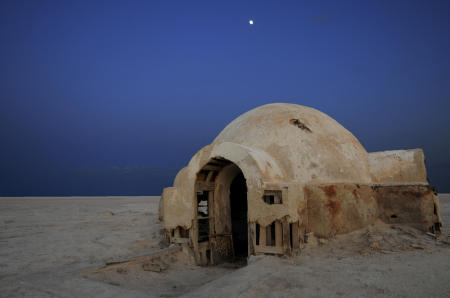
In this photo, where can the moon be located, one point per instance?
(250, 22)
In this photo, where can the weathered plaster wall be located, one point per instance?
(175, 208)
(398, 166)
(339, 208)
(411, 204)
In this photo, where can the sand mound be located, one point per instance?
(377, 238)
(171, 272)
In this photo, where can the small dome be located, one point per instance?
(307, 144)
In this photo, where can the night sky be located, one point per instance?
(114, 97)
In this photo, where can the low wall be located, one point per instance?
(342, 208)
(339, 208)
(398, 166)
(411, 204)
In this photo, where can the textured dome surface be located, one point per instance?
(307, 144)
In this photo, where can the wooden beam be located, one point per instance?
(262, 236)
(212, 168)
(209, 176)
(194, 238)
(286, 237)
(269, 235)
(201, 186)
(295, 236)
(278, 234)
(269, 249)
(211, 225)
(277, 198)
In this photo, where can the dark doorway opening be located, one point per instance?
(238, 204)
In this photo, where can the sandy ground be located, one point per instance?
(53, 247)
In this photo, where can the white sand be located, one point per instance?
(46, 242)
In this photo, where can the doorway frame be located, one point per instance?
(215, 178)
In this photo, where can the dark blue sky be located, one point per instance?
(114, 97)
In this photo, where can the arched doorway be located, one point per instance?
(220, 227)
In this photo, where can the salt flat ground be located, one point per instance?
(45, 244)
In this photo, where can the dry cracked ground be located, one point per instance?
(57, 247)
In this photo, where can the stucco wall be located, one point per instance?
(411, 204)
(176, 210)
(398, 166)
(339, 208)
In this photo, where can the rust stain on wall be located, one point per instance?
(333, 207)
(308, 192)
(329, 190)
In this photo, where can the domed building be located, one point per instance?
(282, 172)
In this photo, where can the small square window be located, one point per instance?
(272, 197)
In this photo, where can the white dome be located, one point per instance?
(307, 144)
